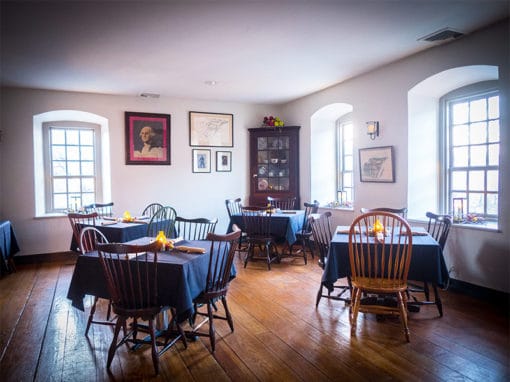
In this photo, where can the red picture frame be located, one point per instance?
(147, 138)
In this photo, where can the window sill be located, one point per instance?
(338, 208)
(51, 215)
(487, 226)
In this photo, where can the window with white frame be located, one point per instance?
(472, 144)
(345, 163)
(72, 157)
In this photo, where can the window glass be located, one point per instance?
(473, 162)
(73, 160)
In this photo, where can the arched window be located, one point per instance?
(71, 161)
(433, 180)
(332, 155)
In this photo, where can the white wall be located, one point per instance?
(478, 257)
(133, 187)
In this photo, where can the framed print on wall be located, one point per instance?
(211, 129)
(147, 138)
(201, 160)
(223, 161)
(376, 164)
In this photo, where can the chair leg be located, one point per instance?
(154, 350)
(121, 322)
(212, 337)
(403, 314)
(426, 290)
(437, 299)
(355, 303)
(227, 313)
(91, 315)
(268, 255)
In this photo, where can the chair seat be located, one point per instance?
(379, 285)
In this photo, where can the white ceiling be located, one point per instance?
(257, 51)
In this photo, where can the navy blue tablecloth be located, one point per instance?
(116, 233)
(283, 224)
(427, 260)
(182, 277)
(8, 246)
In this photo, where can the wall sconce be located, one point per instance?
(373, 129)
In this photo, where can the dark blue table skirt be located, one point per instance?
(284, 225)
(182, 277)
(8, 245)
(427, 261)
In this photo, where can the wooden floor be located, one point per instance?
(279, 336)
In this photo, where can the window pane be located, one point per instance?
(58, 152)
(59, 168)
(88, 185)
(475, 203)
(459, 180)
(73, 153)
(73, 168)
(460, 135)
(87, 153)
(492, 204)
(261, 143)
(59, 185)
(494, 131)
(73, 137)
(87, 168)
(58, 136)
(494, 107)
(460, 113)
(492, 180)
(87, 137)
(478, 133)
(348, 147)
(460, 156)
(348, 132)
(478, 110)
(348, 163)
(347, 179)
(74, 185)
(60, 201)
(478, 155)
(476, 180)
(494, 155)
(87, 198)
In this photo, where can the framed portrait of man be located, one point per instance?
(147, 138)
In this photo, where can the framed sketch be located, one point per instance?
(201, 160)
(376, 164)
(147, 138)
(223, 161)
(211, 129)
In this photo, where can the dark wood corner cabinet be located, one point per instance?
(274, 164)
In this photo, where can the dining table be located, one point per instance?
(427, 260)
(284, 224)
(183, 277)
(8, 247)
(116, 230)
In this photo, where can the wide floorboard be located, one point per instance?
(279, 335)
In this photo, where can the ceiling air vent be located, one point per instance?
(441, 35)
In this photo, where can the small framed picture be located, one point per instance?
(376, 164)
(147, 138)
(223, 161)
(201, 160)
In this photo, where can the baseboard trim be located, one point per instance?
(492, 296)
(68, 256)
